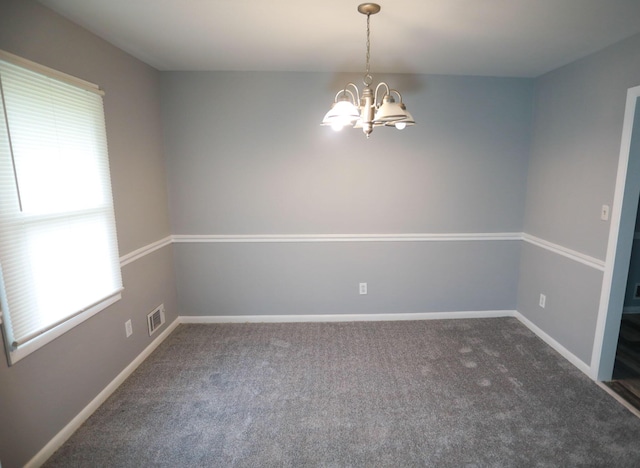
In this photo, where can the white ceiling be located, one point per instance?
(470, 37)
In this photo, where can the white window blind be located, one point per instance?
(59, 259)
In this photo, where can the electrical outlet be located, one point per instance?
(128, 328)
(604, 214)
(363, 288)
(543, 301)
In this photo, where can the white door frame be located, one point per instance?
(623, 214)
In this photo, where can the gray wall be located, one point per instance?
(576, 133)
(40, 394)
(306, 278)
(246, 155)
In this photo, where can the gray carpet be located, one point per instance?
(475, 393)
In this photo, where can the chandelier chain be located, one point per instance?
(368, 79)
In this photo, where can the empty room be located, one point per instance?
(341, 234)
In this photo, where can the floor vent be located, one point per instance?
(155, 319)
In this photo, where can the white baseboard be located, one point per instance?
(564, 352)
(344, 317)
(62, 436)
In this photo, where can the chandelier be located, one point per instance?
(365, 110)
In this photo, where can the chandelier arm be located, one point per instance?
(344, 92)
(357, 92)
(354, 97)
(381, 84)
(398, 93)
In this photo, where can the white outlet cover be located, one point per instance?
(543, 301)
(128, 328)
(604, 214)
(363, 288)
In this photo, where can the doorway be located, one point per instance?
(626, 370)
(621, 235)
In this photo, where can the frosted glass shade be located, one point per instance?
(341, 114)
(391, 111)
(402, 123)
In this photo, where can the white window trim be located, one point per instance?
(50, 335)
(15, 354)
(50, 72)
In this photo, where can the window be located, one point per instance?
(59, 260)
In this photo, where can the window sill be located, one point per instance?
(38, 342)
